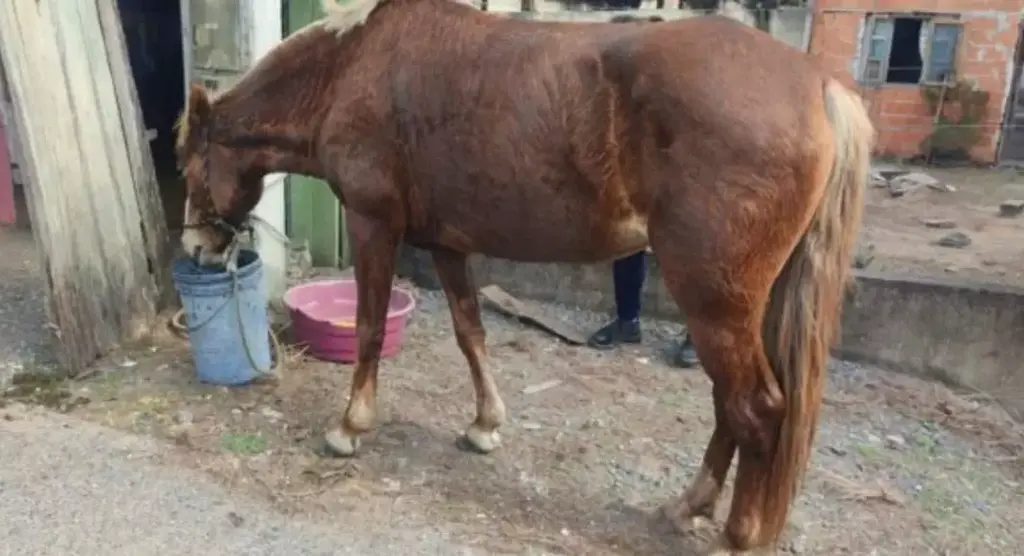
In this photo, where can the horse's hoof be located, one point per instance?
(482, 441)
(720, 547)
(684, 521)
(341, 444)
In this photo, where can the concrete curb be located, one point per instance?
(966, 334)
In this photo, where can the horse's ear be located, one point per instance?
(199, 108)
(194, 117)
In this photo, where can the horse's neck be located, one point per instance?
(272, 144)
(275, 112)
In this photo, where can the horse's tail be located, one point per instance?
(802, 316)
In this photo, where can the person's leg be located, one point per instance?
(628, 275)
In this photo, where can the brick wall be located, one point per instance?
(903, 118)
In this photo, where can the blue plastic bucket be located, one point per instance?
(224, 323)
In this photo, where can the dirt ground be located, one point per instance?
(895, 237)
(595, 442)
(598, 440)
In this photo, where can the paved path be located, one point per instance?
(69, 487)
(23, 339)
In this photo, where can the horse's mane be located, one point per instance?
(342, 18)
(339, 19)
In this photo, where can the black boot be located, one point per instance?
(686, 357)
(615, 333)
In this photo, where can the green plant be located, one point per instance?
(249, 444)
(959, 108)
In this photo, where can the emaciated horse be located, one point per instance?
(727, 152)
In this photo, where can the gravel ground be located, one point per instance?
(68, 487)
(595, 441)
(24, 341)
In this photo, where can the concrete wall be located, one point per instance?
(904, 120)
(968, 335)
(962, 333)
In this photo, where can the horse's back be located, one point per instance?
(517, 112)
(561, 125)
(713, 75)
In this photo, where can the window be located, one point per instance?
(909, 50)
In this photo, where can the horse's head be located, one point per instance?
(221, 187)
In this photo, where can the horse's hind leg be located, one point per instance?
(375, 247)
(456, 279)
(726, 329)
(748, 410)
(695, 508)
(749, 405)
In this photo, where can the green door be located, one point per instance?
(314, 214)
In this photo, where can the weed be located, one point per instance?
(249, 444)
(41, 387)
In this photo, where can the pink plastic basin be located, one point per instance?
(323, 317)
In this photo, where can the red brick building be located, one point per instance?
(893, 49)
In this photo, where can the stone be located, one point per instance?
(955, 240)
(941, 187)
(864, 256)
(272, 414)
(1011, 208)
(914, 180)
(887, 171)
(940, 223)
(897, 191)
(181, 434)
(878, 180)
(183, 417)
(895, 442)
(235, 520)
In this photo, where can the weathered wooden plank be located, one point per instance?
(147, 187)
(104, 159)
(530, 314)
(85, 216)
(25, 51)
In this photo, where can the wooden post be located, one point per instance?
(147, 186)
(96, 219)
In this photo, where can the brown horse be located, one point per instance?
(728, 152)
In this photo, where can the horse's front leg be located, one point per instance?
(375, 245)
(457, 281)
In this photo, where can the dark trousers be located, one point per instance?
(628, 274)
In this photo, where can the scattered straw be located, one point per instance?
(852, 490)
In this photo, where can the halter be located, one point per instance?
(217, 221)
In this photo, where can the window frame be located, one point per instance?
(928, 24)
